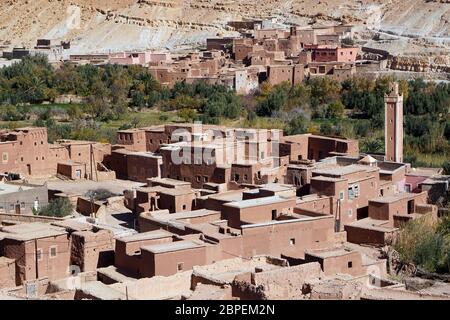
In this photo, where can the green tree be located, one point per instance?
(163, 117)
(446, 168)
(326, 128)
(273, 100)
(75, 111)
(372, 145)
(425, 243)
(361, 127)
(59, 207)
(335, 110)
(296, 125)
(323, 91)
(13, 113)
(348, 41)
(188, 115)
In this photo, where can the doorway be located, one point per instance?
(410, 206)
(274, 214)
(362, 213)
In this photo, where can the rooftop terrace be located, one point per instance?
(173, 246)
(257, 202)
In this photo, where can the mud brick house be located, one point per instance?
(26, 151)
(39, 250)
(385, 216)
(22, 198)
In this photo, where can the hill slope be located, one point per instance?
(408, 26)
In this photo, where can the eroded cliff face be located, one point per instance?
(401, 26)
(437, 64)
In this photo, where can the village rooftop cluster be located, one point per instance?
(293, 217)
(263, 53)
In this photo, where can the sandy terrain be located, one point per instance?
(413, 26)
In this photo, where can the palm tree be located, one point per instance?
(372, 146)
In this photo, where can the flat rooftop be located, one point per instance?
(130, 130)
(168, 181)
(116, 186)
(211, 230)
(158, 128)
(393, 198)
(329, 253)
(150, 235)
(438, 179)
(173, 246)
(310, 197)
(227, 270)
(68, 142)
(292, 218)
(373, 224)
(165, 190)
(26, 129)
(71, 163)
(6, 188)
(387, 167)
(102, 291)
(144, 154)
(277, 187)
(176, 191)
(338, 171)
(72, 224)
(327, 179)
(338, 139)
(184, 215)
(30, 231)
(230, 196)
(218, 144)
(424, 172)
(257, 202)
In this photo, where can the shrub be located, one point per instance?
(273, 102)
(188, 115)
(348, 41)
(163, 117)
(361, 128)
(425, 243)
(59, 207)
(13, 113)
(446, 167)
(326, 128)
(296, 126)
(372, 145)
(334, 110)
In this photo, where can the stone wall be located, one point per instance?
(157, 287)
(27, 218)
(286, 282)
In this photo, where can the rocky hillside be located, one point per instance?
(404, 26)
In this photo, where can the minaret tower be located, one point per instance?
(393, 124)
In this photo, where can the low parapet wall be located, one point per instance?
(283, 283)
(395, 294)
(280, 283)
(156, 288)
(27, 218)
(87, 207)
